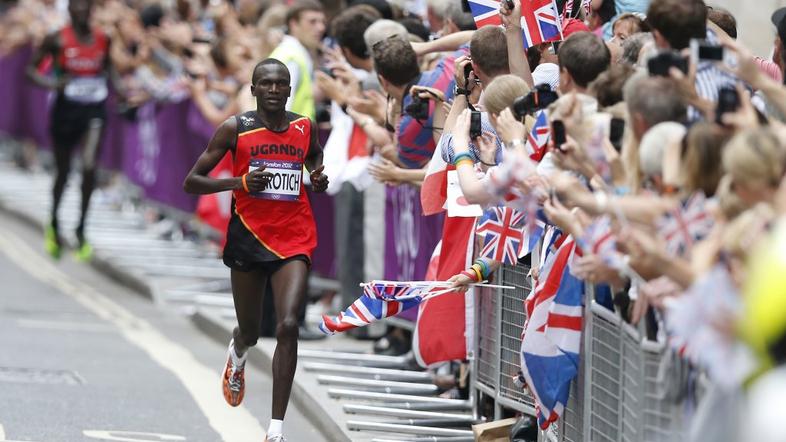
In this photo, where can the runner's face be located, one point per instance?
(80, 12)
(272, 88)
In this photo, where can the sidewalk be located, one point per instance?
(333, 375)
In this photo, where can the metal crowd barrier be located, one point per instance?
(619, 393)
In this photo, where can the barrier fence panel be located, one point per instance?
(619, 394)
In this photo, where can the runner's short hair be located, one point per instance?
(266, 62)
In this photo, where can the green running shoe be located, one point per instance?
(84, 253)
(51, 242)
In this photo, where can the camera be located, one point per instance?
(728, 101)
(701, 50)
(418, 108)
(329, 72)
(660, 64)
(539, 98)
(467, 71)
(475, 129)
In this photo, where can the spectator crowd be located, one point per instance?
(645, 134)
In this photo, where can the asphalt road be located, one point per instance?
(84, 359)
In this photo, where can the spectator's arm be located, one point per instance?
(212, 114)
(517, 58)
(443, 44)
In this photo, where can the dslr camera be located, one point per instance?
(539, 98)
(418, 108)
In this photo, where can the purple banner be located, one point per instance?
(410, 237)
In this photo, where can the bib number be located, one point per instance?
(286, 181)
(86, 90)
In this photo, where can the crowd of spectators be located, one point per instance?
(676, 155)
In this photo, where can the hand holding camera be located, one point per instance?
(537, 99)
(508, 127)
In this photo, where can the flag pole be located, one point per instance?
(437, 283)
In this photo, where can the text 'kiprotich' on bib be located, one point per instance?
(286, 180)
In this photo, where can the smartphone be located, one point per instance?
(558, 134)
(475, 129)
(660, 64)
(702, 50)
(616, 130)
(728, 101)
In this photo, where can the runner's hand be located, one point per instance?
(319, 181)
(257, 180)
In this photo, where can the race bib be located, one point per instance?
(285, 184)
(87, 90)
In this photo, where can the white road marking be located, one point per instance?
(2, 432)
(65, 325)
(130, 436)
(232, 424)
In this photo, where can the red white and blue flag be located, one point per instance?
(539, 137)
(552, 334)
(686, 225)
(370, 308)
(504, 230)
(540, 20)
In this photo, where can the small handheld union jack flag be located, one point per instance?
(539, 137)
(540, 20)
(504, 229)
(686, 225)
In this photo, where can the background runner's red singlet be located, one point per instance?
(280, 218)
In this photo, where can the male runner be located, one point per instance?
(271, 233)
(82, 69)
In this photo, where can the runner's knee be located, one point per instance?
(287, 329)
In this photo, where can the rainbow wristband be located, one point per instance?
(479, 271)
(245, 185)
(485, 270)
(464, 161)
(463, 156)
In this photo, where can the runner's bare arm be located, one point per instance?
(50, 46)
(197, 181)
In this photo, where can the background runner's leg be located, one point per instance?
(248, 288)
(90, 151)
(289, 293)
(62, 155)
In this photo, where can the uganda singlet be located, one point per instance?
(82, 100)
(277, 223)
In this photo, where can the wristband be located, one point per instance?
(478, 270)
(464, 161)
(245, 185)
(468, 274)
(517, 142)
(460, 91)
(462, 156)
(485, 270)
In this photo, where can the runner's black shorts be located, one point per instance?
(244, 253)
(69, 120)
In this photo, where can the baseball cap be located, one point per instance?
(572, 25)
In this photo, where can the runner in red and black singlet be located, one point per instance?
(81, 73)
(271, 234)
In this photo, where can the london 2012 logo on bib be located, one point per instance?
(286, 180)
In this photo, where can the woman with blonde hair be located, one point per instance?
(756, 161)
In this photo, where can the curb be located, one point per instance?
(262, 358)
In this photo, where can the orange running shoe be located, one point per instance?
(233, 380)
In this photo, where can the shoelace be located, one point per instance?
(234, 378)
(276, 438)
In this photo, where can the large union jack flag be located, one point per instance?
(539, 137)
(504, 229)
(539, 19)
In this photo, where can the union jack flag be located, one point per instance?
(598, 239)
(539, 137)
(380, 300)
(504, 229)
(689, 223)
(540, 21)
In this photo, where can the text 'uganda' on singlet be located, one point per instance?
(277, 223)
(84, 64)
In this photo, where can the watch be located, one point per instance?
(460, 91)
